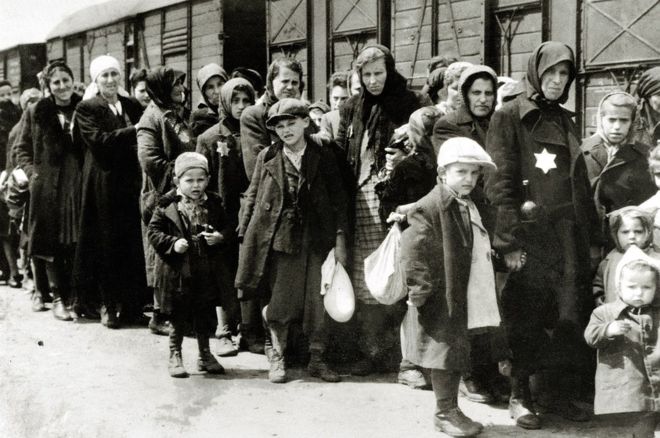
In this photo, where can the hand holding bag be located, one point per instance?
(382, 271)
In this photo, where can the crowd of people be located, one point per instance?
(522, 244)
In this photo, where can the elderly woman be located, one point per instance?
(210, 80)
(220, 144)
(367, 122)
(162, 136)
(109, 255)
(647, 127)
(52, 161)
(546, 225)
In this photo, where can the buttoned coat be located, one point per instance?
(436, 254)
(628, 370)
(325, 206)
(623, 181)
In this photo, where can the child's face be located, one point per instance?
(637, 287)
(631, 232)
(462, 177)
(316, 116)
(615, 122)
(193, 183)
(239, 101)
(291, 131)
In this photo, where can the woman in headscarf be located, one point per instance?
(109, 256)
(162, 136)
(647, 128)
(221, 146)
(210, 80)
(367, 122)
(547, 229)
(52, 161)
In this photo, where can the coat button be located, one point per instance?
(267, 206)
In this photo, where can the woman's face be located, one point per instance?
(61, 87)
(356, 86)
(654, 101)
(554, 80)
(286, 84)
(452, 95)
(374, 75)
(177, 95)
(482, 97)
(108, 82)
(239, 101)
(212, 89)
(140, 93)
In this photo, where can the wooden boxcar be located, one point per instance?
(182, 34)
(20, 65)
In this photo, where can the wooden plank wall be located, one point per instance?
(107, 40)
(13, 73)
(408, 37)
(73, 45)
(150, 39)
(206, 46)
(55, 49)
(468, 28)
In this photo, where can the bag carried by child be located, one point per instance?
(382, 271)
(337, 290)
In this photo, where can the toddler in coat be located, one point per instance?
(625, 332)
(629, 226)
(184, 231)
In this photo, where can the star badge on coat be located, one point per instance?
(545, 161)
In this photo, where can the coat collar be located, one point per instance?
(595, 147)
(527, 106)
(274, 165)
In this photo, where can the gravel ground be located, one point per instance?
(66, 380)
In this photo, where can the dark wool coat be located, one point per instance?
(624, 181)
(10, 115)
(202, 119)
(628, 370)
(109, 252)
(227, 173)
(40, 151)
(172, 269)
(436, 256)
(323, 203)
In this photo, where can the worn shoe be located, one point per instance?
(38, 303)
(208, 363)
(454, 423)
(564, 408)
(161, 328)
(413, 378)
(523, 416)
(175, 365)
(320, 369)
(16, 281)
(59, 310)
(109, 318)
(471, 390)
(277, 372)
(226, 348)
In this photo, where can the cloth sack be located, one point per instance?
(337, 290)
(382, 271)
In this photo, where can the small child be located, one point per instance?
(446, 258)
(294, 213)
(616, 165)
(626, 334)
(630, 226)
(652, 205)
(189, 270)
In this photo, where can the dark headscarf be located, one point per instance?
(160, 83)
(227, 91)
(648, 85)
(466, 80)
(548, 54)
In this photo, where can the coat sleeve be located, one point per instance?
(103, 144)
(206, 148)
(443, 130)
(151, 153)
(417, 243)
(254, 137)
(326, 126)
(503, 187)
(598, 285)
(23, 147)
(250, 197)
(594, 334)
(162, 242)
(584, 198)
(335, 188)
(345, 120)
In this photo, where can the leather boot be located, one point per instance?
(206, 361)
(521, 408)
(109, 317)
(317, 367)
(37, 302)
(277, 372)
(448, 418)
(59, 309)
(473, 390)
(175, 365)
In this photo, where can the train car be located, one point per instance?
(20, 65)
(182, 34)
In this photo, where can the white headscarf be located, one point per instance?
(98, 66)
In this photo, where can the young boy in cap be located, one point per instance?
(188, 232)
(294, 213)
(446, 259)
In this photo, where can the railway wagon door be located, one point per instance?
(619, 40)
(354, 24)
(243, 34)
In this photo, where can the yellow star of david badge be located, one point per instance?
(545, 161)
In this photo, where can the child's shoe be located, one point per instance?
(454, 422)
(208, 363)
(175, 366)
(317, 367)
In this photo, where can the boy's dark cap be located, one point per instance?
(286, 109)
